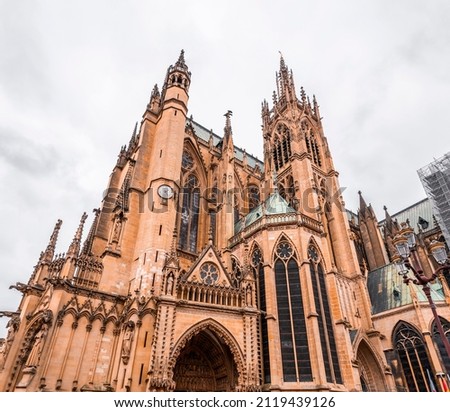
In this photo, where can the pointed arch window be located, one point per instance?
(236, 215)
(281, 151)
(440, 344)
(295, 356)
(313, 148)
(236, 272)
(213, 211)
(187, 161)
(253, 196)
(258, 271)
(190, 207)
(412, 353)
(324, 317)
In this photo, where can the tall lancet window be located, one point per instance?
(190, 208)
(296, 361)
(253, 196)
(413, 357)
(281, 151)
(258, 271)
(440, 344)
(313, 147)
(324, 318)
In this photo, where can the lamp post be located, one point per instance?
(407, 259)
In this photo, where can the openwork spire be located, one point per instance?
(50, 251)
(74, 248)
(285, 83)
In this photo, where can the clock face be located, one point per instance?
(165, 191)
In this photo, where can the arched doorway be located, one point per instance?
(205, 364)
(371, 374)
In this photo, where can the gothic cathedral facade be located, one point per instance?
(205, 269)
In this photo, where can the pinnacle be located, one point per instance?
(180, 60)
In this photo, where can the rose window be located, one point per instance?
(284, 250)
(209, 273)
(312, 254)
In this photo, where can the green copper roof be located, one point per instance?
(274, 205)
(387, 290)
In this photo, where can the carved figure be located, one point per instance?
(35, 355)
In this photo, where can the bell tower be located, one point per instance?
(157, 173)
(297, 157)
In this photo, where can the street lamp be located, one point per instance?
(407, 259)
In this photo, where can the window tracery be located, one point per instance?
(295, 356)
(281, 151)
(209, 273)
(412, 353)
(324, 318)
(256, 261)
(253, 196)
(190, 207)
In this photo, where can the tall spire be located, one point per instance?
(181, 62)
(362, 204)
(87, 246)
(390, 225)
(133, 140)
(50, 251)
(285, 82)
(178, 75)
(74, 248)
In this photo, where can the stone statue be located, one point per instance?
(127, 340)
(169, 285)
(35, 354)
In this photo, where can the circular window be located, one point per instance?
(312, 254)
(256, 257)
(284, 250)
(209, 273)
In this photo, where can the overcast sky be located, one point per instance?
(76, 76)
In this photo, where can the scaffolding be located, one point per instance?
(435, 178)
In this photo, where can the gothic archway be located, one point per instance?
(207, 359)
(371, 373)
(205, 365)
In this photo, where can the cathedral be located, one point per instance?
(207, 269)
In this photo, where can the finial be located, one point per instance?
(87, 246)
(180, 60)
(274, 97)
(74, 248)
(155, 91)
(303, 94)
(282, 63)
(50, 251)
(173, 248)
(227, 128)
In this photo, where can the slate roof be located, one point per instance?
(387, 290)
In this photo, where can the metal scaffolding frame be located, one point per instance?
(435, 178)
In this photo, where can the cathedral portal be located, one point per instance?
(205, 364)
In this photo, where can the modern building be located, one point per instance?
(207, 269)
